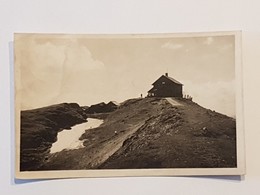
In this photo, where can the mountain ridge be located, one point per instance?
(153, 133)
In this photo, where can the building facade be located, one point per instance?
(166, 86)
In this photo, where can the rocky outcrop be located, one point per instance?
(102, 107)
(39, 129)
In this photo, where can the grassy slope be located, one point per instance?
(39, 128)
(186, 136)
(153, 134)
(102, 142)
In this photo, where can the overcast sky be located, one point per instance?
(88, 70)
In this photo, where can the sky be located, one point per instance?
(93, 69)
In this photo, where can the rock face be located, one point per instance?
(39, 129)
(102, 107)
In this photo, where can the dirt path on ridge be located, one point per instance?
(173, 102)
(112, 146)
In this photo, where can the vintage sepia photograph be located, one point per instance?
(128, 105)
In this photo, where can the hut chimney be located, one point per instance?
(166, 74)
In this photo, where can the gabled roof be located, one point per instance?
(169, 78)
